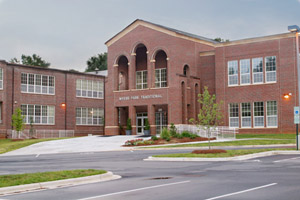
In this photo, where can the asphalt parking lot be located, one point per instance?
(274, 177)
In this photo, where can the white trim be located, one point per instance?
(245, 117)
(97, 82)
(258, 116)
(249, 74)
(237, 75)
(35, 85)
(270, 71)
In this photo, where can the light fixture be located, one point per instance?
(293, 28)
(63, 105)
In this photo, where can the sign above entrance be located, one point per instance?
(152, 96)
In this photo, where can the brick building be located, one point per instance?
(51, 99)
(156, 72)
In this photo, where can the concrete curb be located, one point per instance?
(57, 184)
(236, 158)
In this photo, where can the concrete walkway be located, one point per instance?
(73, 145)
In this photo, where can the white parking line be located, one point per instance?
(286, 159)
(37, 155)
(243, 191)
(134, 190)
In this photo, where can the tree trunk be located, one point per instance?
(208, 135)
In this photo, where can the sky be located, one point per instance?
(67, 33)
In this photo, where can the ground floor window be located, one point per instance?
(259, 114)
(246, 115)
(234, 115)
(161, 121)
(38, 114)
(89, 116)
(272, 119)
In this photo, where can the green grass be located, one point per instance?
(270, 136)
(21, 179)
(230, 153)
(235, 143)
(7, 145)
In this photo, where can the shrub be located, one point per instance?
(128, 124)
(173, 130)
(147, 125)
(178, 135)
(165, 134)
(133, 142)
(153, 137)
(189, 135)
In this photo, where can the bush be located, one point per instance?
(153, 137)
(189, 135)
(178, 135)
(133, 142)
(165, 134)
(128, 124)
(173, 130)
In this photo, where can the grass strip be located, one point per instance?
(270, 136)
(21, 179)
(230, 153)
(7, 145)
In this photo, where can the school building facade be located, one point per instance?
(51, 99)
(156, 73)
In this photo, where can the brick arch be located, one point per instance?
(137, 44)
(117, 58)
(156, 50)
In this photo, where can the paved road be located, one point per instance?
(274, 177)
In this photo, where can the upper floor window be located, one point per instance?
(89, 116)
(1, 78)
(270, 68)
(38, 114)
(141, 79)
(186, 70)
(234, 115)
(161, 77)
(233, 72)
(89, 89)
(257, 70)
(245, 71)
(37, 83)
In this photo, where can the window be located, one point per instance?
(246, 115)
(89, 116)
(259, 114)
(141, 79)
(245, 71)
(89, 89)
(1, 78)
(161, 77)
(270, 68)
(234, 115)
(38, 114)
(233, 72)
(257, 70)
(37, 84)
(272, 114)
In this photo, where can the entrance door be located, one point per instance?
(161, 121)
(140, 123)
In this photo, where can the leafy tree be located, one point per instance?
(209, 116)
(218, 39)
(17, 121)
(98, 62)
(33, 60)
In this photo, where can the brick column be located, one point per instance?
(152, 68)
(151, 119)
(132, 116)
(149, 71)
(132, 68)
(115, 77)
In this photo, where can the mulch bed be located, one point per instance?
(206, 151)
(173, 141)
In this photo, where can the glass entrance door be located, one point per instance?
(140, 123)
(161, 121)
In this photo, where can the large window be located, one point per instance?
(245, 71)
(1, 78)
(89, 116)
(233, 72)
(37, 84)
(259, 114)
(234, 115)
(257, 70)
(161, 77)
(272, 114)
(38, 114)
(89, 89)
(141, 79)
(246, 115)
(270, 68)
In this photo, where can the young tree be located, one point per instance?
(209, 116)
(33, 60)
(17, 121)
(98, 62)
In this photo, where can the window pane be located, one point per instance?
(245, 71)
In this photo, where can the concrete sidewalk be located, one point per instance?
(74, 145)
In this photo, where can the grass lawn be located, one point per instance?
(21, 179)
(7, 145)
(230, 153)
(270, 136)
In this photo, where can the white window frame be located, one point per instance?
(159, 80)
(272, 116)
(92, 87)
(258, 117)
(144, 77)
(49, 109)
(233, 63)
(255, 62)
(269, 72)
(233, 118)
(243, 118)
(245, 63)
(34, 86)
(93, 116)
